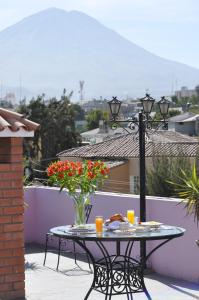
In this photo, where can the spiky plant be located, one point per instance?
(188, 190)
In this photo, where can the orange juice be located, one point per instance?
(131, 216)
(99, 224)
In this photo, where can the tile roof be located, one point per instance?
(192, 119)
(182, 117)
(14, 124)
(160, 143)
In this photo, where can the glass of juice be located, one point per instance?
(99, 224)
(131, 216)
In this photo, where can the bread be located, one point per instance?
(115, 217)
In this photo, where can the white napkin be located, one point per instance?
(114, 225)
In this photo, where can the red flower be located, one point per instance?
(80, 171)
(77, 175)
(103, 172)
(61, 175)
(91, 175)
(70, 174)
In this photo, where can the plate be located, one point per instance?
(152, 224)
(125, 232)
(141, 228)
(82, 229)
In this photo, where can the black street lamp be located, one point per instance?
(143, 123)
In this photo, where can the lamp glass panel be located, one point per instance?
(164, 107)
(115, 107)
(147, 105)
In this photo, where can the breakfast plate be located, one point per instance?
(81, 229)
(125, 232)
(151, 224)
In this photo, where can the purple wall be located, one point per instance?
(179, 258)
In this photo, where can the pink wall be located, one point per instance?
(49, 208)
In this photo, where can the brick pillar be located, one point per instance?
(12, 285)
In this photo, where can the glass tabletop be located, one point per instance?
(164, 232)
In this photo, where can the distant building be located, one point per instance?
(187, 123)
(100, 134)
(94, 104)
(8, 98)
(185, 93)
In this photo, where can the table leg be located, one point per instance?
(118, 274)
(83, 245)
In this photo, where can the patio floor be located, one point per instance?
(45, 283)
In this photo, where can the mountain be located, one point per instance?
(54, 49)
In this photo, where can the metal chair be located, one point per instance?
(62, 241)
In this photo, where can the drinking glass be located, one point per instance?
(99, 224)
(131, 216)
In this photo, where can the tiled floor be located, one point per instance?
(44, 283)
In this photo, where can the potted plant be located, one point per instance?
(81, 179)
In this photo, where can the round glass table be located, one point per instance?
(118, 273)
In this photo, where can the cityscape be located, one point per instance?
(99, 150)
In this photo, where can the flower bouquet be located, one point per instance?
(81, 179)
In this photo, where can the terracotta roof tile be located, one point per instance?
(127, 146)
(11, 122)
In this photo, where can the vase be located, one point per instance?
(80, 202)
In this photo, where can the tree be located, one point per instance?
(94, 116)
(197, 90)
(79, 112)
(165, 169)
(57, 128)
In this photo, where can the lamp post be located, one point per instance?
(144, 123)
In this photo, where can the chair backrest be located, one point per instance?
(88, 209)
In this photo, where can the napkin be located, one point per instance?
(113, 225)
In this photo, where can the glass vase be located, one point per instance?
(80, 218)
(80, 201)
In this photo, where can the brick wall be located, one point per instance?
(11, 219)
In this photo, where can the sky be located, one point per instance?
(168, 28)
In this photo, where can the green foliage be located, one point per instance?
(193, 100)
(174, 99)
(94, 116)
(187, 188)
(165, 169)
(79, 113)
(171, 113)
(57, 127)
(194, 109)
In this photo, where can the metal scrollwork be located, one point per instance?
(118, 274)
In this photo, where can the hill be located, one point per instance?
(54, 49)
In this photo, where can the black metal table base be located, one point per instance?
(121, 277)
(120, 273)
